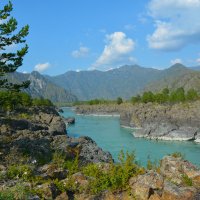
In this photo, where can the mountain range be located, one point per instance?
(42, 87)
(125, 82)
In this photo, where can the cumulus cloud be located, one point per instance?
(116, 51)
(81, 52)
(175, 61)
(198, 61)
(176, 22)
(41, 67)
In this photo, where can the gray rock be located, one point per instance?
(70, 120)
(91, 153)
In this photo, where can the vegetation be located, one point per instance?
(166, 96)
(10, 100)
(11, 61)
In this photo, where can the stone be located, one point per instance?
(69, 120)
(173, 192)
(174, 168)
(91, 153)
(80, 179)
(145, 185)
(62, 196)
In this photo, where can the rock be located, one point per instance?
(51, 171)
(123, 195)
(48, 191)
(173, 192)
(146, 185)
(197, 137)
(35, 197)
(80, 180)
(91, 153)
(60, 110)
(62, 196)
(57, 126)
(70, 120)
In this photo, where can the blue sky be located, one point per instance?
(104, 34)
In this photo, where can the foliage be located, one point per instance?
(166, 96)
(17, 192)
(136, 99)
(10, 61)
(41, 102)
(186, 180)
(178, 155)
(119, 100)
(19, 171)
(116, 177)
(10, 100)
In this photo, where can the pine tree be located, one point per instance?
(9, 36)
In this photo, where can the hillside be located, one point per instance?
(42, 87)
(125, 81)
(176, 77)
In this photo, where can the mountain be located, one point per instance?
(125, 82)
(43, 87)
(196, 68)
(175, 77)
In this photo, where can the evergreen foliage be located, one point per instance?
(176, 96)
(9, 36)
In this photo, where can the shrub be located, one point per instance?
(116, 177)
(19, 171)
(186, 180)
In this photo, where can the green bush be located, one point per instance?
(19, 171)
(116, 177)
(41, 102)
(186, 180)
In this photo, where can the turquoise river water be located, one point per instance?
(108, 134)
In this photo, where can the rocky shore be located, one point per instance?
(154, 121)
(39, 161)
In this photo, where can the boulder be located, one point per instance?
(173, 192)
(70, 120)
(90, 152)
(143, 186)
(62, 196)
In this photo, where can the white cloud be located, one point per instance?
(41, 67)
(198, 60)
(116, 51)
(176, 22)
(175, 61)
(81, 52)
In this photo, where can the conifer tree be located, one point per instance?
(9, 36)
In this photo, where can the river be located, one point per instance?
(107, 133)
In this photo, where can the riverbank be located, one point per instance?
(40, 161)
(155, 121)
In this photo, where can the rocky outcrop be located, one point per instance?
(155, 121)
(176, 180)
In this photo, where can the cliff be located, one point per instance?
(155, 121)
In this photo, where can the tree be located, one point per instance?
(119, 100)
(136, 99)
(192, 95)
(178, 95)
(147, 97)
(10, 61)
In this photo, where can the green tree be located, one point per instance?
(148, 97)
(136, 99)
(192, 95)
(119, 100)
(178, 95)
(10, 61)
